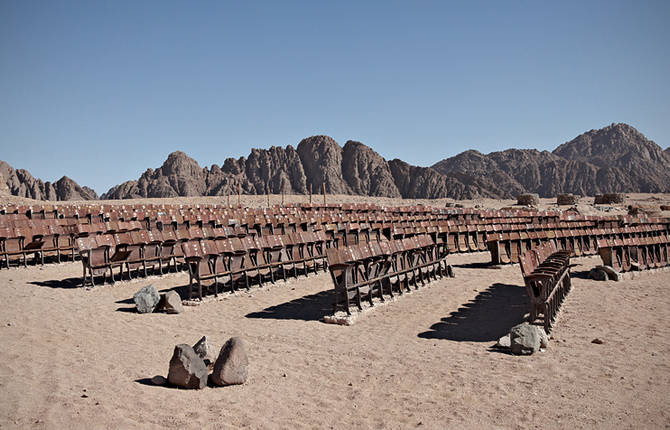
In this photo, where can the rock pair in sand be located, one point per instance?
(148, 300)
(189, 366)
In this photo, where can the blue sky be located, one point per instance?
(101, 90)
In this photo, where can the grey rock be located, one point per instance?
(204, 350)
(171, 303)
(187, 369)
(526, 339)
(231, 366)
(146, 299)
(504, 342)
(159, 380)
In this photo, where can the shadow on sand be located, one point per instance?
(486, 318)
(308, 308)
(478, 265)
(61, 283)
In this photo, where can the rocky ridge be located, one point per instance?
(616, 158)
(21, 183)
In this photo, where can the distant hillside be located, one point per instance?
(21, 183)
(352, 169)
(617, 158)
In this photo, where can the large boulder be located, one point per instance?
(171, 302)
(566, 199)
(526, 339)
(528, 200)
(187, 369)
(146, 299)
(231, 365)
(609, 198)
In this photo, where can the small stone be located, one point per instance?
(504, 342)
(146, 299)
(187, 369)
(171, 303)
(159, 380)
(204, 350)
(544, 339)
(597, 341)
(231, 365)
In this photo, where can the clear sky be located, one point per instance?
(101, 90)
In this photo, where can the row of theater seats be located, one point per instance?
(219, 214)
(507, 247)
(546, 274)
(377, 268)
(624, 254)
(505, 241)
(208, 254)
(252, 259)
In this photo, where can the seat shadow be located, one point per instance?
(582, 274)
(59, 283)
(308, 308)
(478, 265)
(487, 317)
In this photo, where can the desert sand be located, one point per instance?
(82, 358)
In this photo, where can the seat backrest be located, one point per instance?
(192, 249)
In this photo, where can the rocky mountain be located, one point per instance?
(21, 183)
(617, 158)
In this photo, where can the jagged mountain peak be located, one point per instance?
(607, 146)
(616, 158)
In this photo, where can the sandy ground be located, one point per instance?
(79, 358)
(76, 358)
